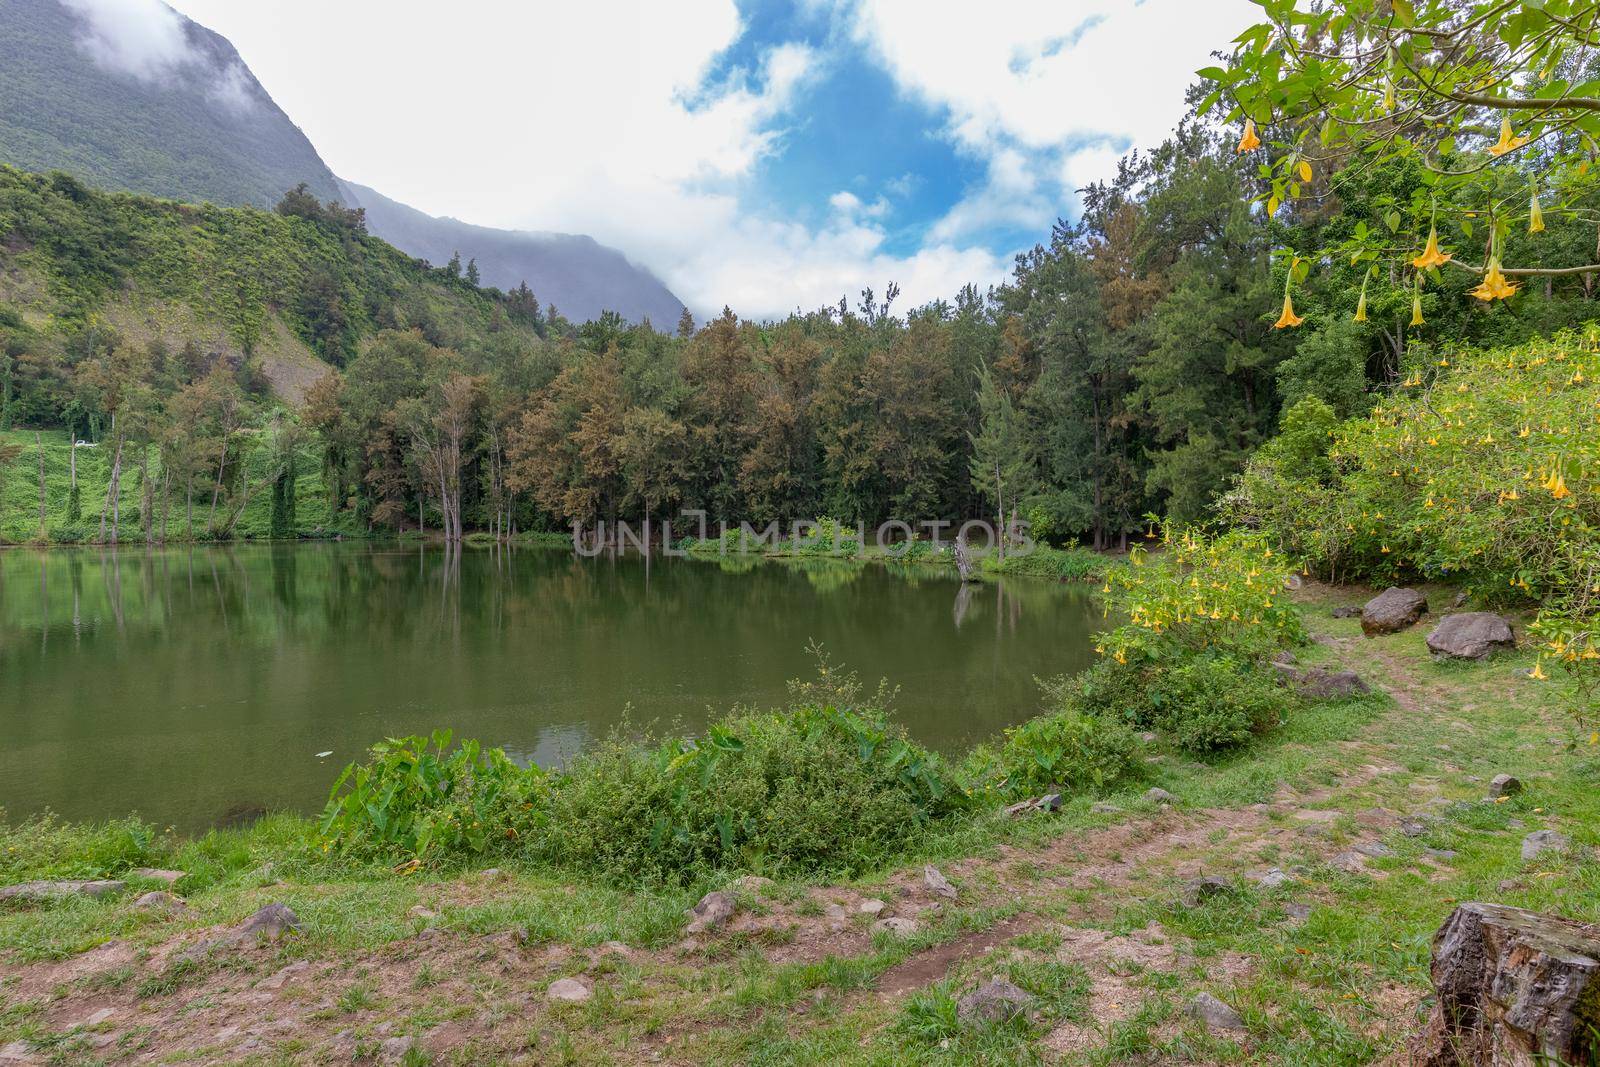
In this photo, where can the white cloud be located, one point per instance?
(598, 118)
(143, 38)
(1050, 94)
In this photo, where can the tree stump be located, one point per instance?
(1515, 989)
(964, 566)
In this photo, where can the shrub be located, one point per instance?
(1062, 564)
(1067, 749)
(417, 799)
(1204, 703)
(814, 788)
(1481, 467)
(46, 847)
(1200, 593)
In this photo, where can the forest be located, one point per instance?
(1128, 367)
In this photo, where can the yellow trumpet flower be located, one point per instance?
(1416, 309)
(1507, 142)
(1288, 318)
(1494, 285)
(1249, 142)
(1431, 256)
(1535, 216)
(1361, 303)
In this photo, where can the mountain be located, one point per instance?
(144, 101)
(136, 97)
(577, 274)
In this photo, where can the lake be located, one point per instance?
(197, 685)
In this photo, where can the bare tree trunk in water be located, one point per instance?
(1000, 502)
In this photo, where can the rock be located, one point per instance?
(280, 978)
(1504, 785)
(17, 1052)
(1350, 862)
(1413, 827)
(1345, 612)
(1199, 890)
(753, 884)
(1515, 824)
(995, 1001)
(1392, 610)
(1274, 878)
(155, 874)
(1157, 795)
(1514, 987)
(1441, 853)
(1375, 849)
(897, 925)
(1284, 658)
(395, 1049)
(1510, 885)
(1215, 1014)
(417, 911)
(1019, 808)
(1297, 912)
(871, 907)
(1471, 635)
(161, 901)
(1049, 802)
(491, 874)
(1103, 808)
(937, 883)
(1321, 683)
(94, 1020)
(571, 990)
(1542, 841)
(713, 910)
(40, 892)
(269, 924)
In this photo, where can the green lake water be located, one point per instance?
(197, 685)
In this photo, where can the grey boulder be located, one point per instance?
(1471, 635)
(1214, 1013)
(1392, 611)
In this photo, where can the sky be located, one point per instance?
(765, 156)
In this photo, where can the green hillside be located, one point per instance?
(192, 124)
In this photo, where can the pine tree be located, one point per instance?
(472, 273)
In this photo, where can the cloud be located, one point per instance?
(149, 41)
(141, 38)
(1048, 94)
(623, 119)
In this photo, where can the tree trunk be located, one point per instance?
(1000, 502)
(216, 490)
(1515, 988)
(111, 488)
(115, 490)
(38, 442)
(147, 497)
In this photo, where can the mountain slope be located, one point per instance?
(577, 274)
(153, 104)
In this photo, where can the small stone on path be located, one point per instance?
(995, 1001)
(1504, 785)
(897, 925)
(937, 883)
(571, 990)
(1157, 795)
(714, 909)
(1542, 841)
(1214, 1013)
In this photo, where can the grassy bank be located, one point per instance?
(1081, 908)
(313, 515)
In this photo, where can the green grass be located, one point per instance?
(1060, 564)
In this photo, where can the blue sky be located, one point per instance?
(768, 156)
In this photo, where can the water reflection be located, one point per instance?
(187, 683)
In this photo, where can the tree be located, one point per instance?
(453, 268)
(1001, 466)
(472, 273)
(1495, 102)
